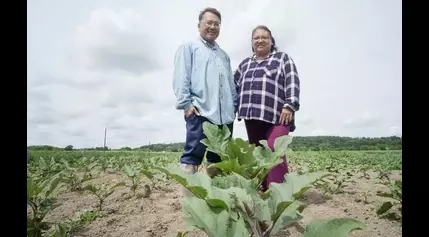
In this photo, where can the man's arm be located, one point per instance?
(182, 77)
(232, 84)
(292, 85)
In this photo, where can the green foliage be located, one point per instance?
(241, 158)
(133, 176)
(232, 199)
(354, 161)
(359, 161)
(102, 191)
(230, 204)
(40, 197)
(393, 199)
(308, 143)
(71, 178)
(68, 148)
(72, 225)
(337, 227)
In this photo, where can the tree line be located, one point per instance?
(308, 143)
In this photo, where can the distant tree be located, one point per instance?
(68, 148)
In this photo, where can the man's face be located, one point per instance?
(209, 27)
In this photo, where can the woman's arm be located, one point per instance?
(292, 85)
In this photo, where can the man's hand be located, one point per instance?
(286, 116)
(190, 111)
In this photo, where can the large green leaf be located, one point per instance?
(267, 159)
(200, 184)
(241, 150)
(230, 204)
(217, 139)
(240, 157)
(214, 221)
(281, 144)
(283, 202)
(337, 227)
(384, 207)
(235, 180)
(129, 171)
(286, 214)
(293, 187)
(228, 166)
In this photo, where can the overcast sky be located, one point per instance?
(109, 63)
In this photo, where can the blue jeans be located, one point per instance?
(194, 149)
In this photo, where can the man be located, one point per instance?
(204, 87)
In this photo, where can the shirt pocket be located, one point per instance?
(273, 71)
(273, 78)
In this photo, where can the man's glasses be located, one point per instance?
(212, 23)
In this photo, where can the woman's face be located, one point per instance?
(261, 42)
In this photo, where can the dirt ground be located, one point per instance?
(160, 213)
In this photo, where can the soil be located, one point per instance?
(160, 213)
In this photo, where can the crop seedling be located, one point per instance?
(104, 164)
(40, 199)
(47, 168)
(133, 175)
(394, 199)
(59, 230)
(72, 179)
(87, 166)
(102, 191)
(230, 204)
(144, 170)
(334, 184)
(72, 225)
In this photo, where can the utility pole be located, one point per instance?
(105, 133)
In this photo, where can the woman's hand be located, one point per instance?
(286, 116)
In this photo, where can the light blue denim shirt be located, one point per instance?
(203, 78)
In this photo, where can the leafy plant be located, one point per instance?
(46, 168)
(239, 157)
(335, 183)
(336, 227)
(394, 199)
(230, 204)
(72, 179)
(102, 191)
(59, 230)
(40, 199)
(104, 164)
(134, 176)
(87, 166)
(150, 175)
(72, 225)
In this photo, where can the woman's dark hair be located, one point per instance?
(273, 41)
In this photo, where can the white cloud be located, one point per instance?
(109, 63)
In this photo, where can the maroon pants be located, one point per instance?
(259, 130)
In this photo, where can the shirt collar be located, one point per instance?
(269, 55)
(213, 46)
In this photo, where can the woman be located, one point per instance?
(268, 89)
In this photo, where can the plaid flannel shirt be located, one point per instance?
(265, 88)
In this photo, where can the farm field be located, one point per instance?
(139, 200)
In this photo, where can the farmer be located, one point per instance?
(204, 87)
(268, 95)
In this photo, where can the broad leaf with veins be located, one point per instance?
(231, 205)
